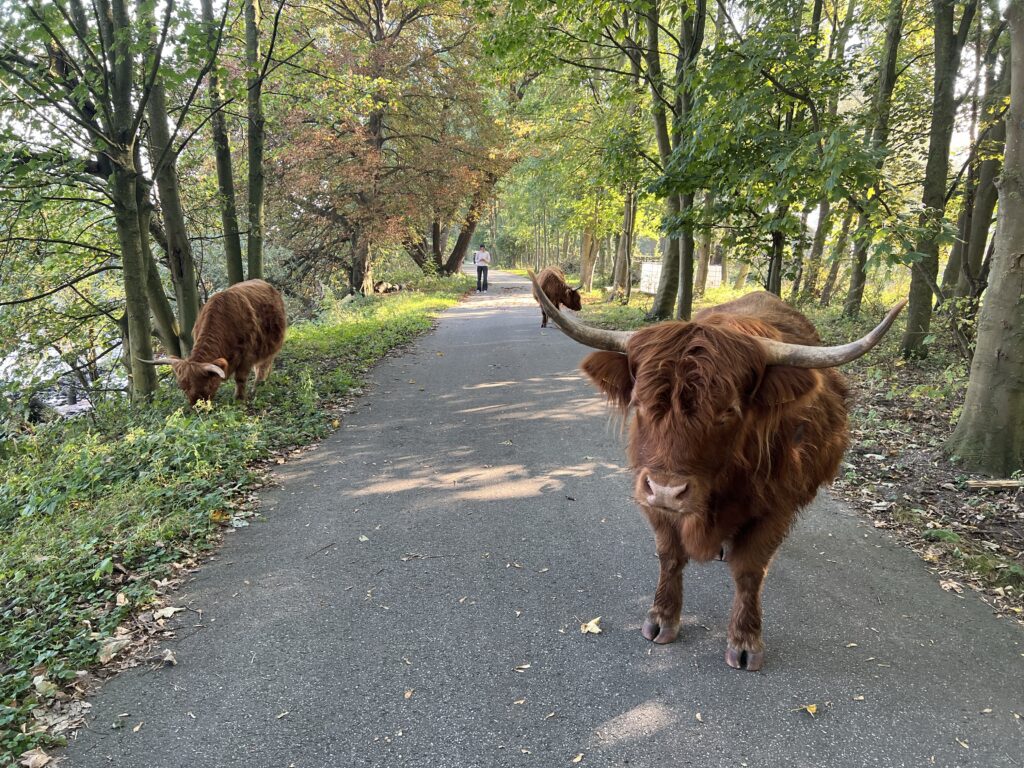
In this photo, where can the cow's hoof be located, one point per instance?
(743, 659)
(659, 633)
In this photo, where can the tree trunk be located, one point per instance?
(813, 266)
(362, 274)
(879, 137)
(985, 196)
(700, 281)
(774, 282)
(222, 156)
(180, 260)
(588, 258)
(668, 282)
(989, 435)
(949, 43)
(620, 283)
(836, 262)
(858, 267)
(684, 300)
(741, 276)
(254, 107)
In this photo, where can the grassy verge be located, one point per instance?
(97, 513)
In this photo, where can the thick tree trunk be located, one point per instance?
(700, 280)
(222, 156)
(949, 43)
(180, 261)
(989, 436)
(254, 108)
(668, 283)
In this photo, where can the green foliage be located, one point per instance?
(126, 491)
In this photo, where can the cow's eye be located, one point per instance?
(729, 415)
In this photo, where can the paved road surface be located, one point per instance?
(490, 486)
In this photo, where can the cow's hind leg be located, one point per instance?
(543, 319)
(749, 561)
(662, 623)
(263, 369)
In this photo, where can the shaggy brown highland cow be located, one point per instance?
(738, 417)
(238, 330)
(552, 282)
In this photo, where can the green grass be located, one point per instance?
(102, 505)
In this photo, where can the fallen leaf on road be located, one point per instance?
(543, 570)
(519, 701)
(851, 645)
(549, 715)
(810, 709)
(409, 692)
(111, 647)
(962, 744)
(363, 538)
(591, 627)
(578, 758)
(166, 613)
(858, 698)
(335, 423)
(138, 727)
(523, 667)
(506, 442)
(279, 460)
(35, 758)
(951, 586)
(987, 711)
(283, 714)
(699, 718)
(168, 658)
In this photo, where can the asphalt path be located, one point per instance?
(414, 592)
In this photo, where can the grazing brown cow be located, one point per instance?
(237, 330)
(552, 282)
(738, 417)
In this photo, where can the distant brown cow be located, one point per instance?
(238, 330)
(737, 418)
(552, 282)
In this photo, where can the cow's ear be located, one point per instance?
(610, 372)
(783, 384)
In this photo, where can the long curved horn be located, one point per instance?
(598, 338)
(801, 356)
(216, 369)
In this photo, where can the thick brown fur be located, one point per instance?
(748, 445)
(552, 282)
(238, 330)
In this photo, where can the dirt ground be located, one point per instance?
(896, 474)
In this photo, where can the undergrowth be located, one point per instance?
(94, 509)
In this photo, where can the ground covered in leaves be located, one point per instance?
(104, 514)
(896, 473)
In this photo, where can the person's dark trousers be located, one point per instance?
(481, 277)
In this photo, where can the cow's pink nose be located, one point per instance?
(663, 495)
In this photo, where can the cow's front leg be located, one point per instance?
(241, 376)
(543, 319)
(749, 561)
(662, 623)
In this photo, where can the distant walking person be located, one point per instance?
(482, 259)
